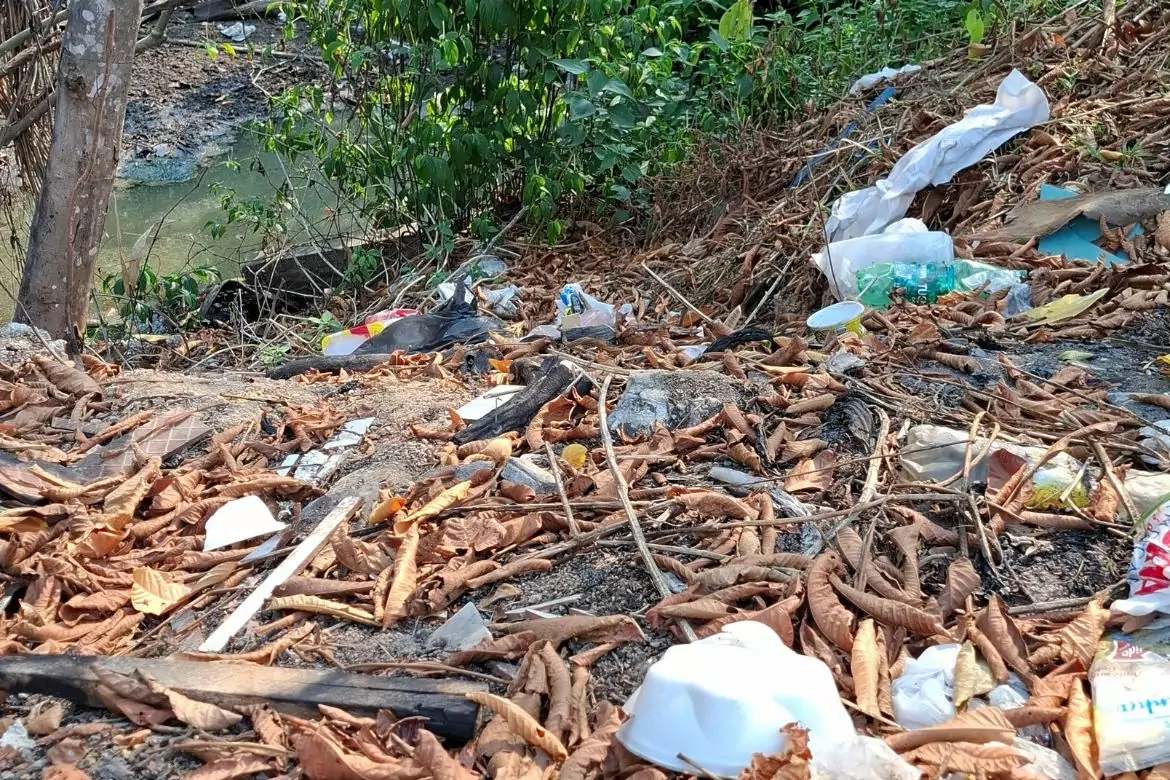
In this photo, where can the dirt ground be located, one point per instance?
(186, 105)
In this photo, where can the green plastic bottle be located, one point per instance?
(919, 283)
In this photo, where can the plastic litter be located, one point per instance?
(239, 520)
(238, 32)
(838, 318)
(488, 402)
(16, 738)
(933, 453)
(885, 74)
(1019, 104)
(500, 300)
(580, 315)
(316, 465)
(1131, 699)
(907, 242)
(723, 698)
(1149, 568)
(1064, 308)
(1156, 437)
(455, 321)
(344, 342)
(1076, 239)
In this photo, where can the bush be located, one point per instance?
(452, 107)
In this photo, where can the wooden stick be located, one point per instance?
(289, 567)
(574, 529)
(297, 691)
(1122, 493)
(624, 496)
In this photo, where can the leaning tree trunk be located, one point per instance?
(93, 80)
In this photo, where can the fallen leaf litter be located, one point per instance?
(826, 541)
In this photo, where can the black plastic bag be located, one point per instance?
(456, 321)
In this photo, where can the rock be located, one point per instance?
(462, 631)
(466, 471)
(673, 399)
(525, 472)
(17, 738)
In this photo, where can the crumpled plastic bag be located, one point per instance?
(905, 241)
(885, 74)
(861, 758)
(1149, 568)
(1131, 685)
(1019, 105)
(455, 321)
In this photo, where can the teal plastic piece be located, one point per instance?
(1076, 239)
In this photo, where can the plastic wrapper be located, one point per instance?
(1149, 568)
(455, 321)
(1019, 104)
(1131, 699)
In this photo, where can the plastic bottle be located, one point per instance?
(919, 283)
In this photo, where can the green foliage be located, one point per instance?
(173, 296)
(455, 106)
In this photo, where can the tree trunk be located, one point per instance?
(97, 54)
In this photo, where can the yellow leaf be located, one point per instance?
(435, 506)
(574, 454)
(503, 366)
(320, 606)
(1064, 308)
(966, 669)
(152, 593)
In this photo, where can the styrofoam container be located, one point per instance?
(721, 699)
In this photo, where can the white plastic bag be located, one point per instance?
(1131, 701)
(885, 74)
(923, 694)
(905, 241)
(1149, 568)
(861, 758)
(1019, 104)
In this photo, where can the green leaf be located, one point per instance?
(618, 87)
(736, 22)
(621, 116)
(720, 42)
(596, 81)
(576, 67)
(580, 108)
(975, 26)
(231, 50)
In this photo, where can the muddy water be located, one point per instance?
(180, 213)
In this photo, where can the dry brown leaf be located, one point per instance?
(1078, 640)
(323, 759)
(812, 474)
(864, 668)
(969, 757)
(63, 772)
(559, 691)
(523, 724)
(962, 580)
(429, 754)
(985, 724)
(583, 628)
(1078, 732)
(1105, 502)
(153, 593)
(792, 764)
(996, 624)
(66, 378)
(505, 647)
(594, 750)
(891, 612)
(44, 717)
(358, 556)
(232, 768)
(964, 363)
(405, 576)
(827, 611)
(320, 606)
(714, 505)
(201, 715)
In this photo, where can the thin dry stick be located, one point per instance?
(1123, 494)
(574, 529)
(623, 496)
(681, 298)
(869, 488)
